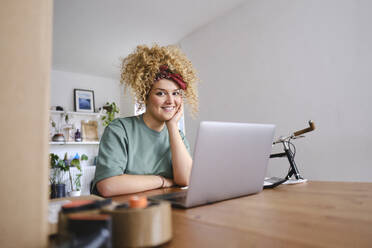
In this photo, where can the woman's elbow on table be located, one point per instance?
(182, 181)
(104, 188)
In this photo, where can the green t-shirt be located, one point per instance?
(128, 146)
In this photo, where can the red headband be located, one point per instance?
(168, 74)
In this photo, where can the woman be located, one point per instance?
(148, 151)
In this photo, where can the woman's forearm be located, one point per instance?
(181, 159)
(127, 184)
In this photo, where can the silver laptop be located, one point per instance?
(230, 160)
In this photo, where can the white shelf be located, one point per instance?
(74, 143)
(79, 116)
(75, 113)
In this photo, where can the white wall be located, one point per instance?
(285, 62)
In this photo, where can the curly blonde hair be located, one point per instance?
(140, 68)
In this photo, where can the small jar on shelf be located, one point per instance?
(78, 136)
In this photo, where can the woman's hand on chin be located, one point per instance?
(176, 117)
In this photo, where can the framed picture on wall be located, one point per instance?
(84, 100)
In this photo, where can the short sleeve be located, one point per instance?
(112, 154)
(185, 141)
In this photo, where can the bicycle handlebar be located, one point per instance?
(297, 133)
(306, 130)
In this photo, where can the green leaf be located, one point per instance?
(53, 160)
(110, 109)
(61, 165)
(75, 162)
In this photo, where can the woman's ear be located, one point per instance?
(147, 95)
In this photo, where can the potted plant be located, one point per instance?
(68, 127)
(76, 182)
(111, 109)
(84, 160)
(58, 136)
(58, 168)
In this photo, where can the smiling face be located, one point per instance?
(163, 101)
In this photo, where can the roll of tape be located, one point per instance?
(138, 202)
(138, 227)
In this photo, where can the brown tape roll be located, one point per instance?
(138, 227)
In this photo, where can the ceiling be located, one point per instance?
(90, 36)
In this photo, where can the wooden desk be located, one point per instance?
(313, 214)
